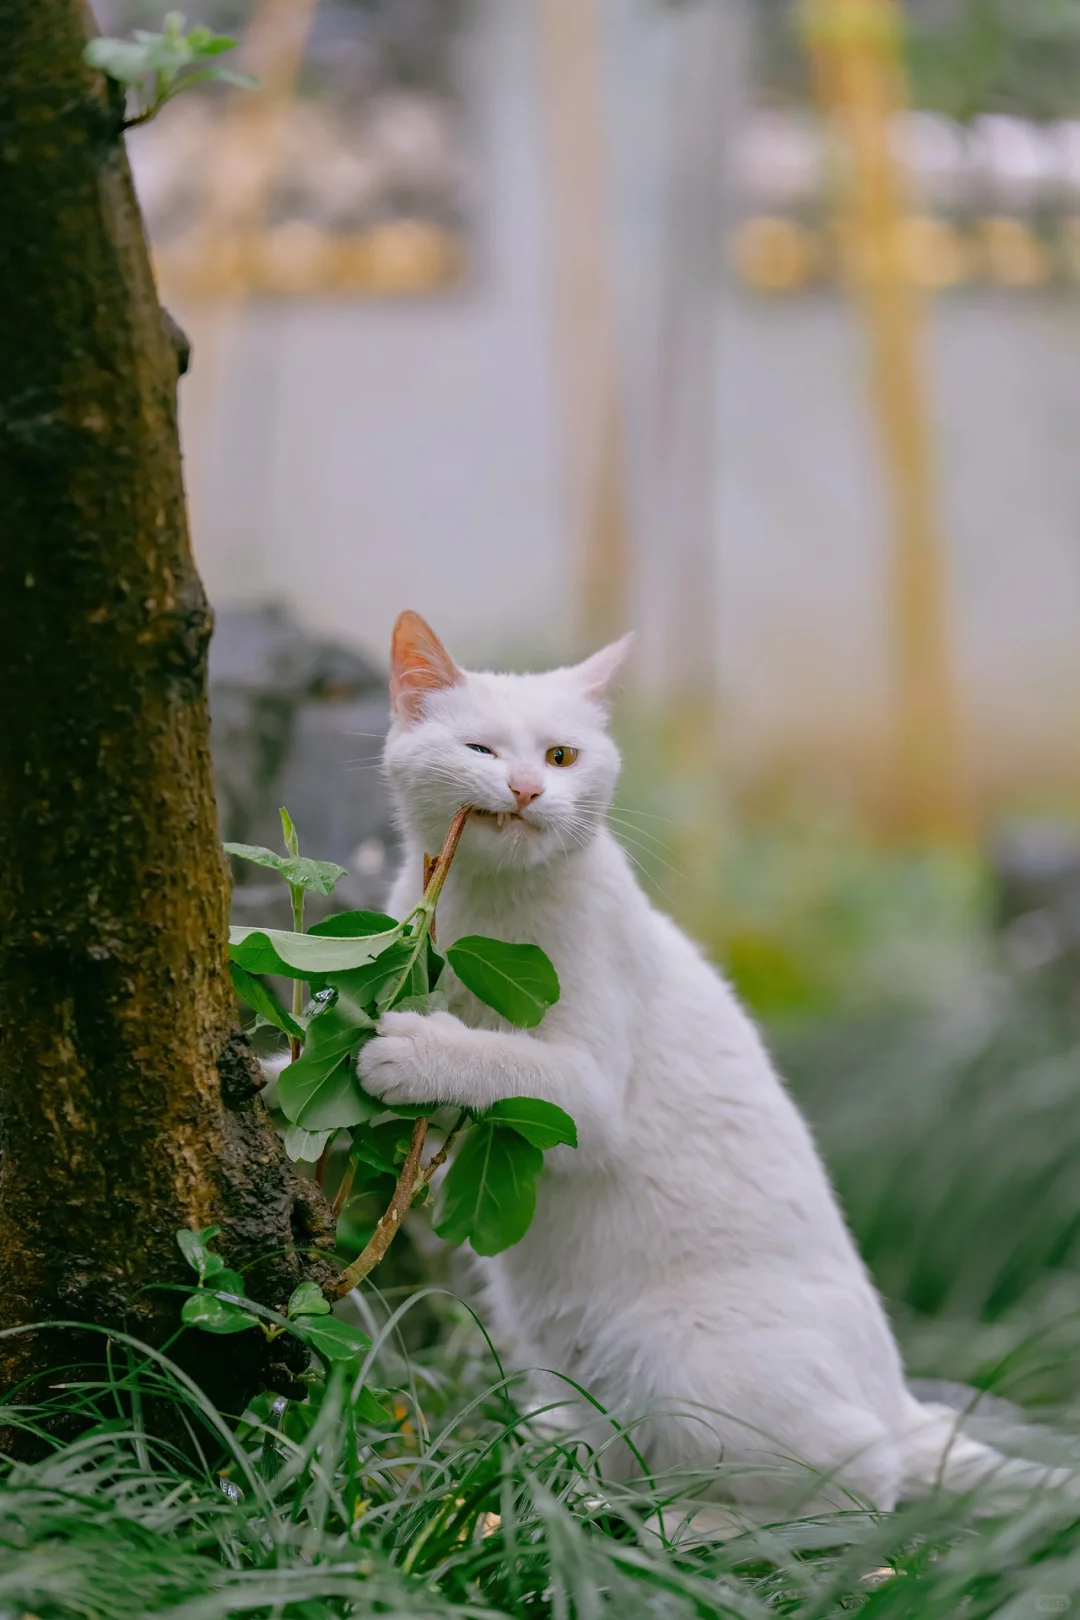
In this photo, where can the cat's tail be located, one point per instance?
(937, 1455)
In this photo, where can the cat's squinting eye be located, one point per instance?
(563, 755)
(478, 748)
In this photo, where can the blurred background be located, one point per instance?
(756, 327)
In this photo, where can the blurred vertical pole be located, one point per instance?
(856, 52)
(706, 96)
(592, 417)
(272, 49)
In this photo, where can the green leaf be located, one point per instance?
(337, 1341)
(383, 1147)
(224, 75)
(121, 59)
(288, 832)
(489, 1195)
(301, 956)
(365, 986)
(205, 1310)
(307, 1299)
(431, 1001)
(353, 924)
(542, 1123)
(306, 1145)
(370, 1409)
(263, 1000)
(435, 966)
(195, 1250)
(320, 877)
(204, 42)
(320, 1090)
(517, 980)
(164, 55)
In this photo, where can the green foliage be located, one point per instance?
(800, 906)
(441, 1501)
(1017, 56)
(489, 1195)
(215, 1309)
(159, 66)
(301, 956)
(299, 872)
(542, 1123)
(332, 1339)
(308, 1146)
(954, 1139)
(517, 980)
(359, 964)
(219, 1309)
(383, 1147)
(195, 1247)
(307, 1300)
(262, 1000)
(353, 924)
(320, 1092)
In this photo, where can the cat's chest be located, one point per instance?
(558, 935)
(517, 922)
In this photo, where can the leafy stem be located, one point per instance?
(414, 1175)
(296, 895)
(157, 67)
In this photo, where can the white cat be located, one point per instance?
(688, 1260)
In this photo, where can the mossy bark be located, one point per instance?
(128, 1098)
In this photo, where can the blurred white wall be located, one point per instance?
(352, 458)
(358, 457)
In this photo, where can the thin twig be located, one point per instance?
(409, 1182)
(413, 1177)
(348, 1176)
(439, 1159)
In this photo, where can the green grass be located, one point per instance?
(954, 1138)
(806, 912)
(304, 1511)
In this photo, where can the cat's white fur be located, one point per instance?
(689, 1259)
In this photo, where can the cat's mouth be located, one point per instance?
(499, 818)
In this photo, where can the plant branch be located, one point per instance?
(409, 1183)
(439, 1159)
(414, 1176)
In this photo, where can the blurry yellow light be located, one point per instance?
(1012, 254)
(294, 258)
(407, 255)
(935, 254)
(299, 259)
(775, 255)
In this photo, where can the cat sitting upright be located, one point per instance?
(688, 1263)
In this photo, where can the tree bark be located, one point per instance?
(128, 1097)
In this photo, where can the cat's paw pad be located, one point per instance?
(402, 1064)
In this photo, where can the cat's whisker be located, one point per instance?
(671, 820)
(630, 826)
(624, 839)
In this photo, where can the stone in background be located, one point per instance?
(299, 721)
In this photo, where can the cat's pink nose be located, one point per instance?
(525, 789)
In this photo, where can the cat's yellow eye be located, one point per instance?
(563, 755)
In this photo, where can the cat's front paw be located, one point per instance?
(411, 1059)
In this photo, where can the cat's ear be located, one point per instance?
(595, 675)
(419, 663)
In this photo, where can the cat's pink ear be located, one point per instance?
(596, 674)
(419, 663)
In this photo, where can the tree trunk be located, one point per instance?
(128, 1097)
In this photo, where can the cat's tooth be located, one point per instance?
(500, 818)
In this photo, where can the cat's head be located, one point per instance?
(531, 753)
